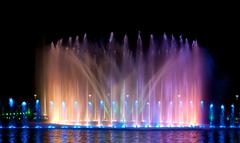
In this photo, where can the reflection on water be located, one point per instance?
(121, 136)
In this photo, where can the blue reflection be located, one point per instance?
(89, 135)
(210, 137)
(64, 137)
(12, 135)
(221, 137)
(24, 135)
(38, 136)
(1, 136)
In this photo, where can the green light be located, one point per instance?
(20, 113)
(10, 114)
(13, 113)
(2, 114)
(6, 114)
(28, 112)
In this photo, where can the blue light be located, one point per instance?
(51, 127)
(202, 102)
(211, 105)
(136, 101)
(25, 127)
(64, 127)
(222, 107)
(76, 126)
(101, 102)
(232, 126)
(37, 101)
(11, 127)
(37, 127)
(222, 126)
(11, 102)
(232, 105)
(24, 103)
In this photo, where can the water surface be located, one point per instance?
(119, 136)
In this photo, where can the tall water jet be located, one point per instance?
(24, 115)
(211, 115)
(202, 111)
(82, 83)
(232, 118)
(37, 114)
(11, 120)
(222, 117)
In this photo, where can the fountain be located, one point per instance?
(83, 84)
(232, 119)
(222, 117)
(11, 120)
(24, 115)
(211, 116)
(37, 115)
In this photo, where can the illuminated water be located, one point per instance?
(87, 83)
(71, 135)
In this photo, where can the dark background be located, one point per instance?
(23, 31)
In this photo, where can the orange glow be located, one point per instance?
(82, 87)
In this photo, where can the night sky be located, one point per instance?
(22, 34)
